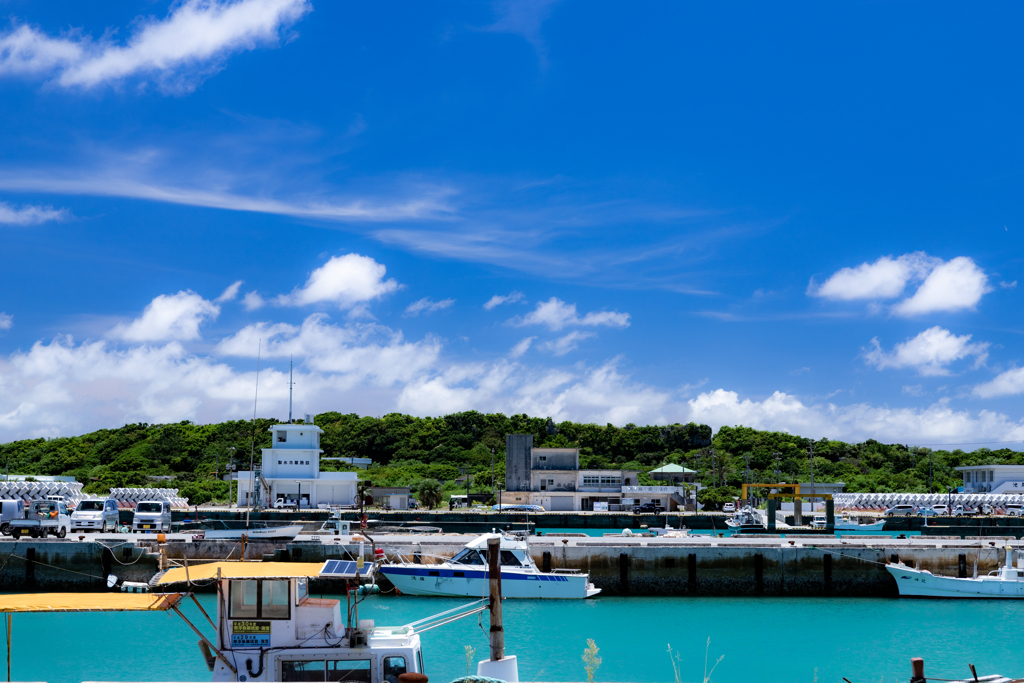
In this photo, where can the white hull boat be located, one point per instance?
(275, 533)
(466, 575)
(1007, 582)
(847, 523)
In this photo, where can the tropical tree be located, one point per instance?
(429, 492)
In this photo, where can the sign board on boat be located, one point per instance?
(250, 634)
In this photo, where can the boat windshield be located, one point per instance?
(468, 556)
(509, 559)
(90, 505)
(150, 507)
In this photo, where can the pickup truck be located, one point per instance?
(648, 508)
(286, 504)
(42, 518)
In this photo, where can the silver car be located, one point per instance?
(900, 510)
(95, 515)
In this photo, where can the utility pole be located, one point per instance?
(777, 472)
(813, 490)
(291, 366)
(492, 472)
(929, 472)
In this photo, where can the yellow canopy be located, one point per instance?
(89, 602)
(240, 570)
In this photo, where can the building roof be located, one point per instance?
(990, 467)
(304, 427)
(390, 491)
(672, 468)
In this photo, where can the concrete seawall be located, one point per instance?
(698, 566)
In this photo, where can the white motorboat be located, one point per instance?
(847, 523)
(746, 519)
(466, 575)
(1005, 582)
(255, 533)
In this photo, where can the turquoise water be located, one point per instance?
(763, 639)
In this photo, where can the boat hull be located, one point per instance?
(266, 533)
(914, 583)
(441, 580)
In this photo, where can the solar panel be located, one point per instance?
(343, 569)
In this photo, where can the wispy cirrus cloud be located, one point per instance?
(427, 306)
(176, 52)
(30, 215)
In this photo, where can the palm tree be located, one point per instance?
(429, 492)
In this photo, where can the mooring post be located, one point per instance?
(771, 515)
(962, 566)
(917, 670)
(691, 573)
(830, 516)
(494, 574)
(759, 573)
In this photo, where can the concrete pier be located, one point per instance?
(851, 566)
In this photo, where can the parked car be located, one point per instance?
(152, 516)
(927, 511)
(1014, 509)
(42, 518)
(729, 507)
(961, 511)
(648, 508)
(10, 509)
(95, 514)
(986, 509)
(900, 511)
(941, 509)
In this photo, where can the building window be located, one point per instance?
(282, 437)
(278, 462)
(626, 481)
(542, 458)
(551, 482)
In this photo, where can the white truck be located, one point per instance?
(10, 509)
(152, 516)
(42, 518)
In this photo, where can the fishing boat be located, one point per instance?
(466, 575)
(746, 519)
(1007, 582)
(847, 523)
(259, 531)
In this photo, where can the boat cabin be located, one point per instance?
(269, 628)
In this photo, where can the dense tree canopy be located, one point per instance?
(406, 450)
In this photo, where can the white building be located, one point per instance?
(290, 469)
(997, 479)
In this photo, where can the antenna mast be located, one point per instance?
(291, 384)
(252, 441)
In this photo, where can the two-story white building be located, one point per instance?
(993, 478)
(290, 469)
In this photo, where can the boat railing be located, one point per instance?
(448, 616)
(566, 571)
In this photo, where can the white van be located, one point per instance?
(900, 510)
(95, 514)
(10, 509)
(152, 516)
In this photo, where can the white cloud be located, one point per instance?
(1007, 383)
(914, 390)
(520, 348)
(169, 316)
(569, 342)
(955, 285)
(929, 352)
(253, 301)
(556, 314)
(6, 321)
(427, 306)
(30, 215)
(178, 51)
(498, 300)
(934, 424)
(1008, 285)
(229, 293)
(358, 352)
(344, 280)
(886, 278)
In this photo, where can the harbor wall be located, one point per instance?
(69, 566)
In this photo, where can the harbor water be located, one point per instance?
(765, 639)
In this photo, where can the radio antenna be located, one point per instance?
(252, 441)
(291, 366)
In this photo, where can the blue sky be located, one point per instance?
(804, 218)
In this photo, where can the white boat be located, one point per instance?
(847, 523)
(256, 533)
(1005, 582)
(466, 575)
(746, 519)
